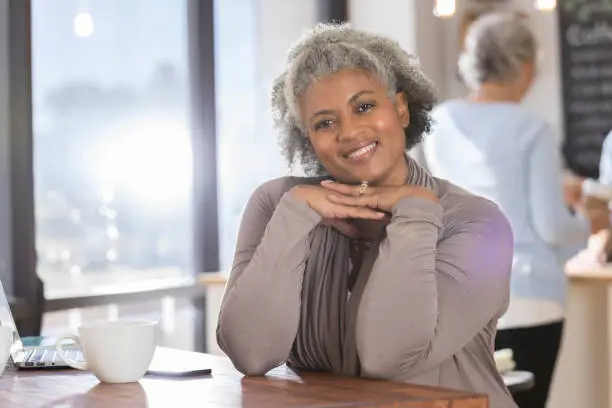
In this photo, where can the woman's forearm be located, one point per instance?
(432, 291)
(399, 308)
(261, 307)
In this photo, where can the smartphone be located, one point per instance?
(179, 371)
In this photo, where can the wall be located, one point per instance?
(5, 191)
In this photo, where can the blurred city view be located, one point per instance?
(112, 152)
(112, 136)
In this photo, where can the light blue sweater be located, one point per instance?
(502, 152)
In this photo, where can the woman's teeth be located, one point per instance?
(362, 152)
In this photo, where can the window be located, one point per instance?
(112, 152)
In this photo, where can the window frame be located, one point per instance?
(27, 286)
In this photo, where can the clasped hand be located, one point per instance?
(337, 203)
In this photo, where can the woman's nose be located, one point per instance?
(351, 130)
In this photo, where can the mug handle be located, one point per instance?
(79, 365)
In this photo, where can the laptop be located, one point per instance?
(33, 352)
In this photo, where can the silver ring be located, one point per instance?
(363, 188)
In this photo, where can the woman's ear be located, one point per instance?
(401, 104)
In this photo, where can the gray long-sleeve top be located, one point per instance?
(428, 314)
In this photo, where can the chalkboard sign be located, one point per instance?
(585, 34)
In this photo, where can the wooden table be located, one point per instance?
(224, 388)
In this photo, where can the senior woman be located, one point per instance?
(491, 146)
(370, 267)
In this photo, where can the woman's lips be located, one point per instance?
(363, 153)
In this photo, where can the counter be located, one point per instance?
(584, 370)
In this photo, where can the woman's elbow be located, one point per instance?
(557, 237)
(551, 238)
(246, 358)
(254, 366)
(381, 360)
(387, 366)
(248, 362)
(382, 368)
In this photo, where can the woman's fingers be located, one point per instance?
(362, 201)
(344, 211)
(344, 189)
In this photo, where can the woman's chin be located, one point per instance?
(358, 178)
(373, 173)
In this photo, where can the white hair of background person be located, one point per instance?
(495, 47)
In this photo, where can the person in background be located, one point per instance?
(596, 196)
(368, 267)
(490, 145)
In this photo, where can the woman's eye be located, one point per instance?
(323, 124)
(365, 107)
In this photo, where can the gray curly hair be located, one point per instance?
(330, 48)
(496, 45)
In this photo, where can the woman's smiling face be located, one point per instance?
(356, 128)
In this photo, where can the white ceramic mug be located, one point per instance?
(115, 352)
(6, 342)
